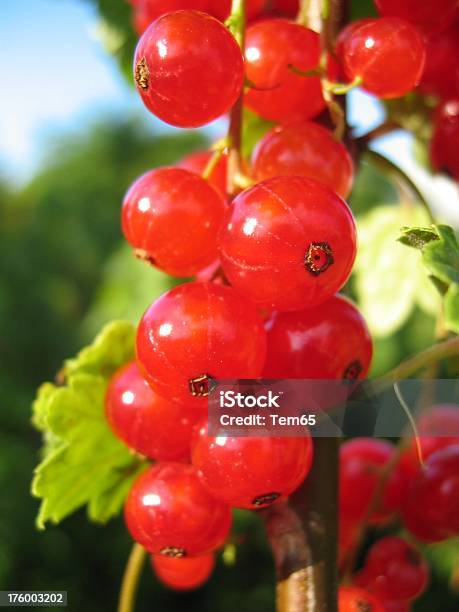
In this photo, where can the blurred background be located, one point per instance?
(73, 136)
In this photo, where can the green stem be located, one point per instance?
(131, 578)
(400, 178)
(237, 24)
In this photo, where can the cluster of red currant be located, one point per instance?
(438, 22)
(394, 572)
(267, 267)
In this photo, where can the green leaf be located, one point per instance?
(388, 276)
(254, 127)
(417, 237)
(442, 256)
(83, 462)
(451, 306)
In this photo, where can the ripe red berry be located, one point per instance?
(362, 461)
(279, 94)
(171, 217)
(198, 331)
(146, 11)
(353, 599)
(444, 151)
(388, 54)
(309, 343)
(426, 15)
(145, 421)
(197, 162)
(432, 502)
(289, 8)
(188, 68)
(169, 512)
(248, 472)
(441, 72)
(185, 573)
(288, 243)
(438, 428)
(395, 570)
(307, 149)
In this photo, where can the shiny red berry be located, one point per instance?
(183, 573)
(444, 151)
(305, 149)
(145, 421)
(441, 72)
(250, 472)
(330, 341)
(169, 512)
(438, 427)
(432, 501)
(146, 11)
(388, 54)
(199, 331)
(272, 47)
(188, 68)
(362, 461)
(171, 217)
(425, 14)
(395, 570)
(197, 163)
(288, 243)
(353, 599)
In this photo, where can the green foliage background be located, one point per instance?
(65, 272)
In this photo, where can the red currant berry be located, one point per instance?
(388, 54)
(345, 34)
(304, 149)
(309, 343)
(188, 68)
(222, 8)
(171, 217)
(146, 11)
(438, 428)
(362, 461)
(441, 72)
(432, 501)
(183, 574)
(288, 243)
(169, 512)
(444, 151)
(426, 15)
(145, 421)
(196, 332)
(349, 530)
(272, 47)
(396, 606)
(197, 162)
(353, 599)
(289, 8)
(248, 472)
(395, 570)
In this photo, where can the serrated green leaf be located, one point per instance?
(451, 306)
(442, 256)
(387, 274)
(111, 348)
(417, 237)
(84, 463)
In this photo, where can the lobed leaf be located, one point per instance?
(83, 462)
